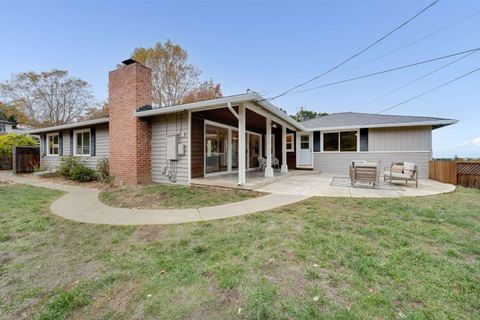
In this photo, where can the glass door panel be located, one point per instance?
(253, 150)
(216, 146)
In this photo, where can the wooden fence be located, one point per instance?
(465, 173)
(25, 159)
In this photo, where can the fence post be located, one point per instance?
(14, 160)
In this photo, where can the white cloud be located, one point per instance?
(476, 141)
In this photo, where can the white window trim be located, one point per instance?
(338, 131)
(75, 142)
(292, 147)
(48, 147)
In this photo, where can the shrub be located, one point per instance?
(8, 141)
(83, 173)
(103, 169)
(67, 164)
(74, 168)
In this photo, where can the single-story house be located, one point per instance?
(146, 143)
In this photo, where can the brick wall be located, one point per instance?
(130, 87)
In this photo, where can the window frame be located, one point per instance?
(75, 132)
(339, 142)
(292, 143)
(48, 135)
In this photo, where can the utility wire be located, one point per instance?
(415, 80)
(385, 71)
(429, 91)
(419, 39)
(358, 53)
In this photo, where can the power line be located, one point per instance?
(385, 71)
(419, 39)
(415, 80)
(358, 53)
(429, 91)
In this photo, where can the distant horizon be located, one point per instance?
(270, 47)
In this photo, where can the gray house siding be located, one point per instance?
(387, 145)
(101, 146)
(339, 162)
(163, 126)
(400, 139)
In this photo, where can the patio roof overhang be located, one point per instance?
(252, 101)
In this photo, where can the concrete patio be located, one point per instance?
(321, 185)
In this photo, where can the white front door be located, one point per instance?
(304, 149)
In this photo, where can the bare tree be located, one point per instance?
(172, 76)
(48, 98)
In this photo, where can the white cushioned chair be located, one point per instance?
(401, 171)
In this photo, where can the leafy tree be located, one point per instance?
(11, 113)
(205, 91)
(8, 141)
(47, 98)
(304, 114)
(96, 112)
(172, 75)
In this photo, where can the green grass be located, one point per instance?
(333, 258)
(161, 196)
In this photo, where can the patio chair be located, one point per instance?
(361, 171)
(262, 163)
(275, 163)
(401, 171)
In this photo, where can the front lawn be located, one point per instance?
(162, 196)
(415, 258)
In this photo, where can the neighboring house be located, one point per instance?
(6, 126)
(176, 144)
(9, 127)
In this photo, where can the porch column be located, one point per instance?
(229, 150)
(241, 145)
(268, 168)
(284, 168)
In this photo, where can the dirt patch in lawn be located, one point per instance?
(171, 197)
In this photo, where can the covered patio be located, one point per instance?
(240, 144)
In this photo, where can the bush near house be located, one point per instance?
(7, 142)
(74, 168)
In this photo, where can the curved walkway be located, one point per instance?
(81, 204)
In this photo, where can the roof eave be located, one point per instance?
(68, 126)
(434, 124)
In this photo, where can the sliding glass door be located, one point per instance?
(216, 146)
(222, 149)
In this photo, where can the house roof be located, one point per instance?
(223, 101)
(6, 122)
(350, 120)
(72, 125)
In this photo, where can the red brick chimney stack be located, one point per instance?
(130, 155)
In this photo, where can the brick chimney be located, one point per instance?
(129, 87)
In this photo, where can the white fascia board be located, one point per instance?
(279, 113)
(68, 126)
(197, 106)
(388, 125)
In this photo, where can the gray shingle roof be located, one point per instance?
(366, 120)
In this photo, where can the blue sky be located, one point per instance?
(267, 46)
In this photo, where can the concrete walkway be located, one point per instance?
(81, 204)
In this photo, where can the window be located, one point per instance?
(52, 144)
(82, 142)
(289, 142)
(2, 128)
(340, 141)
(304, 141)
